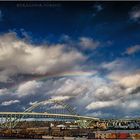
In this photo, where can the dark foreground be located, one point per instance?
(72, 134)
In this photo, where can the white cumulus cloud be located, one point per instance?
(133, 50)
(60, 98)
(135, 13)
(28, 88)
(88, 43)
(7, 103)
(101, 104)
(20, 57)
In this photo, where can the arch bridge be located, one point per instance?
(53, 110)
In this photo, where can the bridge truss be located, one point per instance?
(51, 109)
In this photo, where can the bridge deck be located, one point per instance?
(44, 115)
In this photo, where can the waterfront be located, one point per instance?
(101, 136)
(68, 134)
(103, 129)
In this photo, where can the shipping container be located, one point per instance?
(123, 135)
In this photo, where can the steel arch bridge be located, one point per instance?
(56, 110)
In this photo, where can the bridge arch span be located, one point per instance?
(60, 103)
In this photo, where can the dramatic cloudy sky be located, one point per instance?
(86, 53)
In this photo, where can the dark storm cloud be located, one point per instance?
(136, 91)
